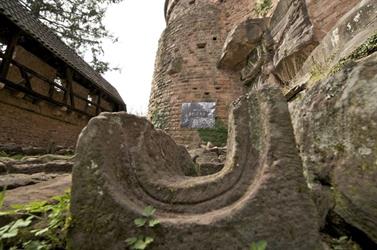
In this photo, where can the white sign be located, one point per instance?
(198, 115)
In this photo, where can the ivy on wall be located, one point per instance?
(159, 118)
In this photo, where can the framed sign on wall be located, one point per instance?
(198, 115)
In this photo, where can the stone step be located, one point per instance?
(38, 192)
(12, 181)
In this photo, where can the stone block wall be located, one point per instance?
(185, 69)
(190, 47)
(38, 125)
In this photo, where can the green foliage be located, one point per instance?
(78, 23)
(317, 72)
(159, 119)
(2, 197)
(217, 135)
(13, 157)
(38, 225)
(260, 245)
(263, 7)
(366, 49)
(139, 243)
(147, 221)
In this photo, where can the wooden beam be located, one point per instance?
(26, 78)
(41, 77)
(69, 79)
(7, 58)
(24, 90)
(98, 108)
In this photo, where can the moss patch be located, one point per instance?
(159, 118)
(364, 50)
(5, 156)
(263, 7)
(217, 135)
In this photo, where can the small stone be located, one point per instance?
(209, 145)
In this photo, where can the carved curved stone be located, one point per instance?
(124, 164)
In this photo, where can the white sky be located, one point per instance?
(138, 24)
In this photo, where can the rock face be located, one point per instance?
(243, 38)
(335, 124)
(293, 37)
(208, 160)
(259, 193)
(124, 165)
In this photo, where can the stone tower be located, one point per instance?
(186, 71)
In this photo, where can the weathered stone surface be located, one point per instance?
(208, 160)
(31, 165)
(293, 35)
(243, 38)
(39, 192)
(175, 65)
(324, 14)
(34, 151)
(351, 31)
(12, 181)
(14, 149)
(11, 148)
(124, 165)
(335, 125)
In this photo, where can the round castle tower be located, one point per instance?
(188, 90)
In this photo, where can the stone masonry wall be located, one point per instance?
(185, 69)
(27, 124)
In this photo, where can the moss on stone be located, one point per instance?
(340, 148)
(217, 135)
(263, 7)
(364, 50)
(159, 118)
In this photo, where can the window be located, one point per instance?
(89, 98)
(3, 47)
(59, 82)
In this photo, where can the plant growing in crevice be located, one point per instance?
(146, 221)
(217, 135)
(263, 7)
(259, 245)
(159, 118)
(364, 50)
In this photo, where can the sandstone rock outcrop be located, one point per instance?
(335, 125)
(243, 38)
(124, 165)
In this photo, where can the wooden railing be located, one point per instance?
(26, 87)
